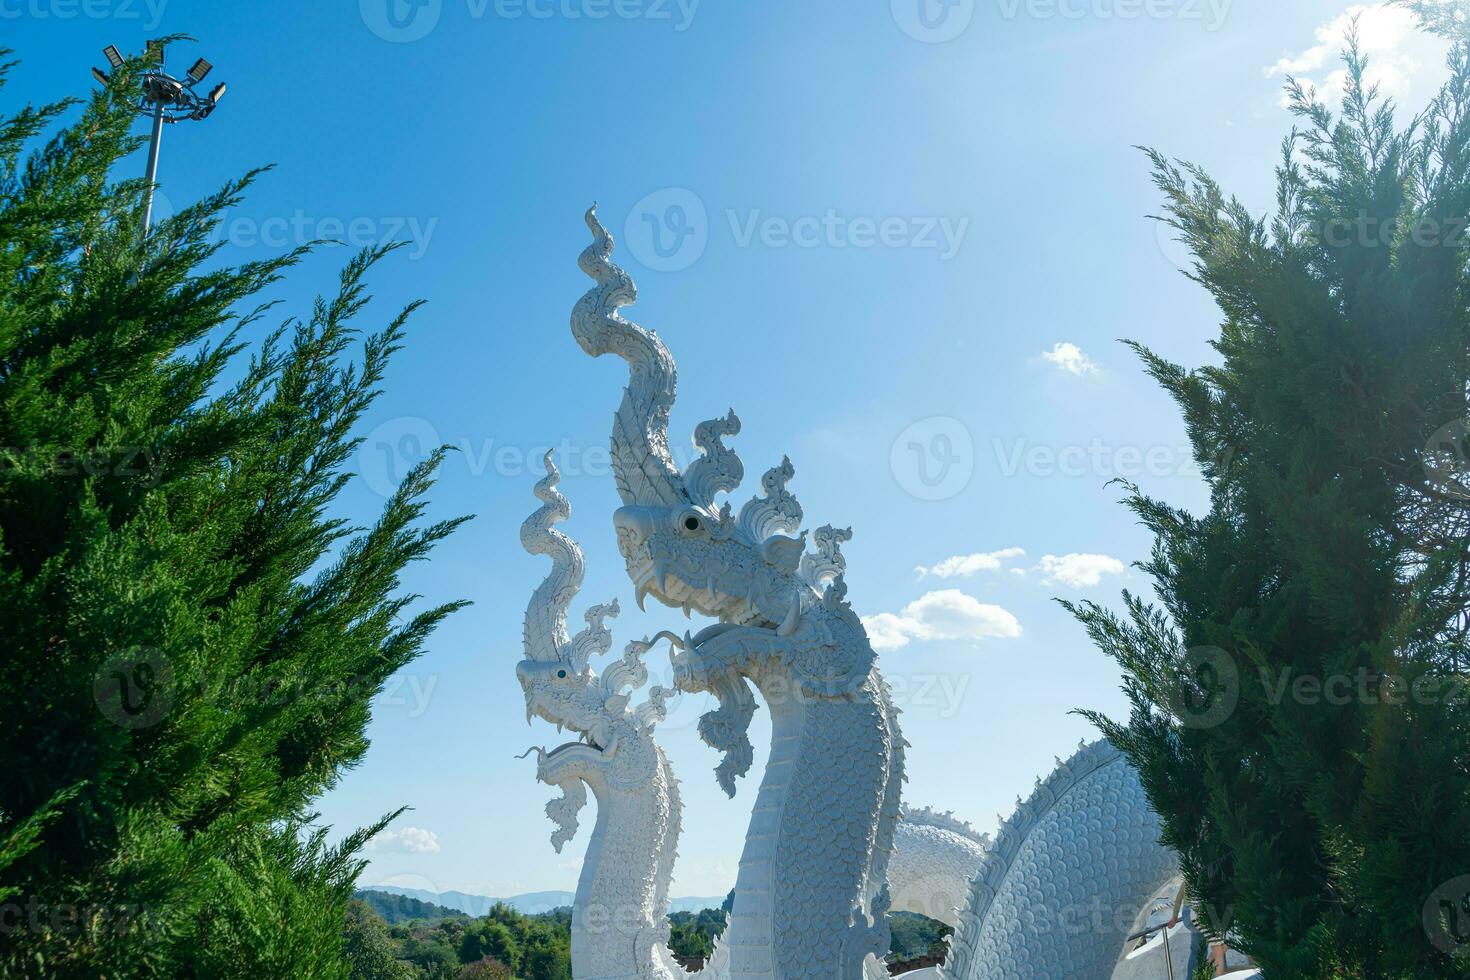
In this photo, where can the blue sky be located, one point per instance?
(901, 240)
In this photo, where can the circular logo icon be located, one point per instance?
(933, 459)
(1173, 248)
(933, 21)
(668, 230)
(1447, 460)
(675, 709)
(1447, 917)
(401, 21)
(163, 208)
(1209, 687)
(394, 448)
(135, 688)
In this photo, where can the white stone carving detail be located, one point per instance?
(810, 898)
(1073, 862)
(935, 857)
(619, 923)
(826, 855)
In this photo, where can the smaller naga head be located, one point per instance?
(558, 692)
(556, 675)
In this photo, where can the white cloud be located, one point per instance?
(1401, 57)
(1078, 570)
(963, 566)
(405, 840)
(1069, 358)
(947, 614)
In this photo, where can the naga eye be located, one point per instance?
(691, 523)
(562, 674)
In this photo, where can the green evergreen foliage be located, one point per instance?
(693, 933)
(193, 640)
(368, 949)
(1299, 716)
(400, 908)
(503, 943)
(916, 935)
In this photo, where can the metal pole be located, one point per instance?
(153, 163)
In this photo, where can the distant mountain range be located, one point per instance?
(531, 903)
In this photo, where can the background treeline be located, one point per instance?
(395, 937)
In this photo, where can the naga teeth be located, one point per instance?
(793, 619)
(528, 714)
(642, 595)
(687, 614)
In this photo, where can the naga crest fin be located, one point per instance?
(777, 512)
(828, 563)
(719, 469)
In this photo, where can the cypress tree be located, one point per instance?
(1299, 713)
(192, 639)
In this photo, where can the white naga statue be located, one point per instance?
(828, 853)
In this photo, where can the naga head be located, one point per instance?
(556, 675)
(680, 547)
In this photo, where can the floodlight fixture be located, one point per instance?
(164, 99)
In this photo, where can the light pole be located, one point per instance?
(164, 99)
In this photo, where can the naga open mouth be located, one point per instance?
(651, 577)
(656, 578)
(535, 708)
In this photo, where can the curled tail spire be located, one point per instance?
(546, 615)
